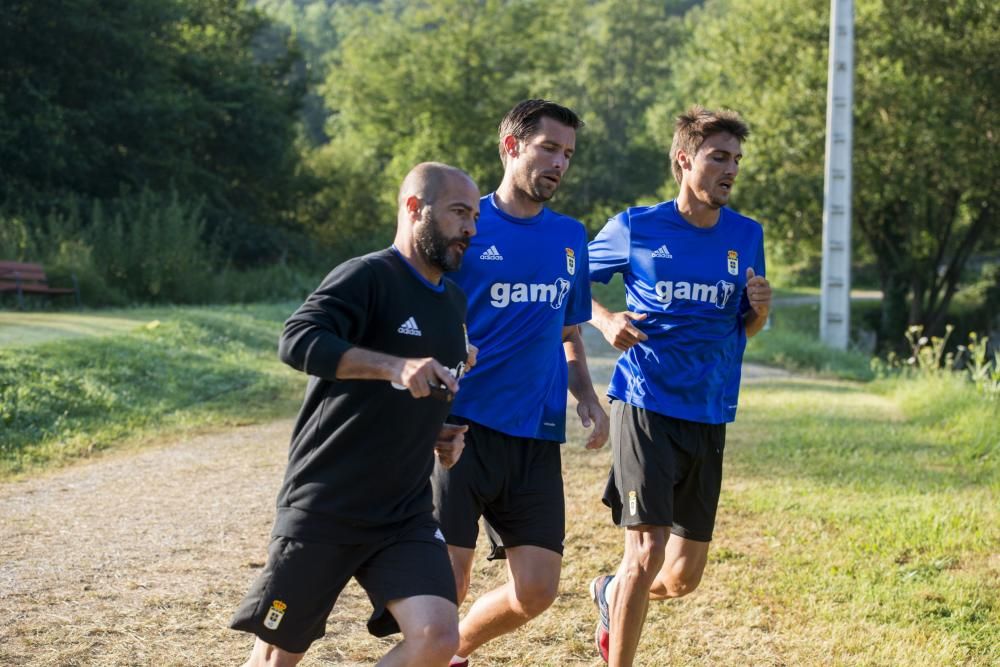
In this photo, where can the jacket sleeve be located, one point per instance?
(331, 321)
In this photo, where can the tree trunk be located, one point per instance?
(895, 312)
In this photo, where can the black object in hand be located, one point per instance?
(441, 393)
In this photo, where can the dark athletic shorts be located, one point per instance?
(514, 483)
(290, 601)
(666, 471)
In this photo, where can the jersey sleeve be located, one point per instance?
(610, 249)
(330, 322)
(578, 308)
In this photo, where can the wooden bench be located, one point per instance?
(26, 278)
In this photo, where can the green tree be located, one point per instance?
(428, 81)
(925, 141)
(615, 74)
(101, 97)
(412, 82)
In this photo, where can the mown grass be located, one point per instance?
(859, 524)
(31, 328)
(876, 510)
(64, 399)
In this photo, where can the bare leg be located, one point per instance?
(532, 586)
(644, 554)
(461, 567)
(430, 632)
(682, 569)
(269, 655)
(656, 566)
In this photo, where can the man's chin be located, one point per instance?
(542, 195)
(452, 261)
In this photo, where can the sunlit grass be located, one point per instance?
(195, 367)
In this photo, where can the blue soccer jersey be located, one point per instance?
(691, 284)
(525, 278)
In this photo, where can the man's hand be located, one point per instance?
(619, 330)
(472, 354)
(420, 376)
(758, 293)
(450, 443)
(591, 412)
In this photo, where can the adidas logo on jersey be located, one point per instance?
(492, 254)
(410, 328)
(663, 252)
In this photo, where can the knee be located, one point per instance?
(644, 558)
(436, 643)
(676, 582)
(269, 655)
(533, 596)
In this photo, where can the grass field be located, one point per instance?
(74, 385)
(858, 526)
(859, 522)
(32, 328)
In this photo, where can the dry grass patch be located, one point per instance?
(840, 542)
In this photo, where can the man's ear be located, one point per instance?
(683, 160)
(510, 146)
(414, 206)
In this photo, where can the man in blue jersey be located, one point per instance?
(695, 291)
(526, 277)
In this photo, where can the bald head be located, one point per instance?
(428, 180)
(438, 209)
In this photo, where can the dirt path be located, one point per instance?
(121, 561)
(140, 558)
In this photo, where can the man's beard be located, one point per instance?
(436, 248)
(535, 191)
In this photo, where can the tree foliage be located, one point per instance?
(925, 142)
(103, 97)
(431, 81)
(209, 99)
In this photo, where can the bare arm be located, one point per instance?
(617, 328)
(582, 387)
(759, 296)
(417, 375)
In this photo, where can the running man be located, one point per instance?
(527, 281)
(383, 341)
(695, 291)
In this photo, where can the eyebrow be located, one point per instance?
(722, 150)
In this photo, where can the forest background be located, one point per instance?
(207, 151)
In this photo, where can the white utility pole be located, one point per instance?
(835, 294)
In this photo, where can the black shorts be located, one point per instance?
(288, 604)
(514, 483)
(666, 471)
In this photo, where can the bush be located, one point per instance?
(142, 248)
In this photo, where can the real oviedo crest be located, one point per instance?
(570, 261)
(733, 263)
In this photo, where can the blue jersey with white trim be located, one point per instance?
(525, 279)
(691, 284)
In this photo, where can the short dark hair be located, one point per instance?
(697, 124)
(523, 120)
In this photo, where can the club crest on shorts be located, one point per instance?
(734, 263)
(570, 261)
(275, 614)
(632, 503)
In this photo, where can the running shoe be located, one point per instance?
(602, 638)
